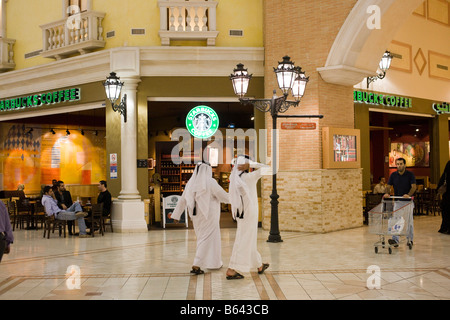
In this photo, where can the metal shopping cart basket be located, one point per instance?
(392, 217)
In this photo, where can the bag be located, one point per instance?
(443, 189)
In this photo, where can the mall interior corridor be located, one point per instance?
(340, 265)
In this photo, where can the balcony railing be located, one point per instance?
(80, 33)
(6, 54)
(188, 20)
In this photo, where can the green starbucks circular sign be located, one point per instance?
(202, 122)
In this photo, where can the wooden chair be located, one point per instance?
(107, 221)
(372, 200)
(96, 219)
(50, 224)
(12, 213)
(39, 213)
(23, 213)
(437, 203)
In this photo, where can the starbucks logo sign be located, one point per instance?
(202, 122)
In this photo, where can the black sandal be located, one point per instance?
(235, 276)
(264, 267)
(197, 271)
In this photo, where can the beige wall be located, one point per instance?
(311, 199)
(416, 35)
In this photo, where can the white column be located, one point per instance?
(129, 141)
(128, 211)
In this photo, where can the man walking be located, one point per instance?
(404, 183)
(6, 233)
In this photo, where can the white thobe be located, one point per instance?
(207, 230)
(245, 255)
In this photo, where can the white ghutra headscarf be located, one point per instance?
(238, 190)
(197, 192)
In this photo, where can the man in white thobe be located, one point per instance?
(201, 200)
(244, 206)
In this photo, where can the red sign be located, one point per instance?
(298, 125)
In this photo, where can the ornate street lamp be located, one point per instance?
(240, 79)
(113, 88)
(289, 78)
(385, 64)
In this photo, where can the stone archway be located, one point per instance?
(358, 49)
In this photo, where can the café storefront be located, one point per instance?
(395, 126)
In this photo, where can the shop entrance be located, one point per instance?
(68, 146)
(395, 135)
(169, 178)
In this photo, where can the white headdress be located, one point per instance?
(238, 190)
(197, 191)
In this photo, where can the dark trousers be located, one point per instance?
(445, 206)
(2, 245)
(70, 225)
(445, 226)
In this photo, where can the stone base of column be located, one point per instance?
(128, 216)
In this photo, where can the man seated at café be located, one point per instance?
(381, 186)
(104, 197)
(74, 212)
(64, 199)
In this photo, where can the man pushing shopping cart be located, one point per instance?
(404, 183)
(394, 215)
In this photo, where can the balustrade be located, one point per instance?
(80, 33)
(6, 54)
(188, 20)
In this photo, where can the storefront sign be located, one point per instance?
(441, 108)
(298, 125)
(202, 122)
(169, 205)
(43, 99)
(383, 100)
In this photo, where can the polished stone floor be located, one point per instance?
(156, 265)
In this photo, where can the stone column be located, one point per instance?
(128, 210)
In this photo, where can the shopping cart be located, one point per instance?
(392, 217)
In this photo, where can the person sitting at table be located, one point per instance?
(64, 199)
(74, 212)
(381, 186)
(104, 197)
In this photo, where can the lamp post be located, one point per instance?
(113, 88)
(385, 64)
(289, 78)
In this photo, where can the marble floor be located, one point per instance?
(340, 265)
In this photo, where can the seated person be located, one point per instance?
(64, 199)
(104, 197)
(74, 212)
(381, 186)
